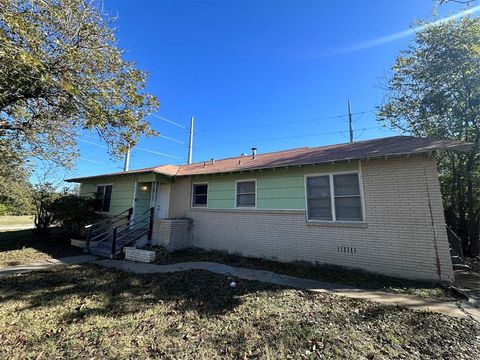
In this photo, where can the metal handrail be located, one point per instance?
(109, 220)
(135, 221)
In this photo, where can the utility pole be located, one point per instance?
(350, 121)
(126, 165)
(190, 143)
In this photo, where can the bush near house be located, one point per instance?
(72, 213)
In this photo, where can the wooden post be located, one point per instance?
(114, 243)
(150, 227)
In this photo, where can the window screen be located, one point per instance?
(348, 204)
(103, 198)
(200, 195)
(246, 194)
(344, 195)
(318, 198)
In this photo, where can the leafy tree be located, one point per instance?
(15, 196)
(434, 91)
(61, 72)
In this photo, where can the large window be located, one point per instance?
(103, 198)
(200, 195)
(334, 197)
(246, 196)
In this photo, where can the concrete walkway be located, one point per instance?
(42, 265)
(5, 228)
(409, 301)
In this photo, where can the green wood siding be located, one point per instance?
(276, 189)
(122, 191)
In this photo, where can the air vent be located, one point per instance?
(347, 249)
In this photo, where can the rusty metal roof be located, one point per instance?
(368, 149)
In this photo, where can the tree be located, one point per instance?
(14, 186)
(434, 91)
(61, 72)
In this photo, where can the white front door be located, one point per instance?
(163, 201)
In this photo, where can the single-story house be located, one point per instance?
(375, 205)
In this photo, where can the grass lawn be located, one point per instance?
(23, 246)
(91, 312)
(328, 273)
(16, 220)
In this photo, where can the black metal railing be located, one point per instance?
(102, 230)
(126, 234)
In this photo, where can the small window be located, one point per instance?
(246, 193)
(200, 195)
(103, 198)
(334, 198)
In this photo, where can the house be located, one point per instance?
(375, 205)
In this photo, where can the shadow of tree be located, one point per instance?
(97, 291)
(52, 244)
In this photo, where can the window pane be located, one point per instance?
(245, 187)
(200, 194)
(106, 199)
(200, 200)
(318, 202)
(346, 184)
(201, 189)
(348, 208)
(319, 209)
(246, 200)
(99, 198)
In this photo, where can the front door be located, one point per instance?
(163, 201)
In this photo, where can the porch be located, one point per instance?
(145, 222)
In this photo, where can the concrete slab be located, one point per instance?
(409, 301)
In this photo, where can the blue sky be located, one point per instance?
(269, 74)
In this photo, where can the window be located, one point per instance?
(103, 198)
(334, 197)
(200, 195)
(246, 193)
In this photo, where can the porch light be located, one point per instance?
(144, 188)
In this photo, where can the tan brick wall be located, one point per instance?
(173, 234)
(397, 239)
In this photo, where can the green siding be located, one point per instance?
(122, 191)
(143, 198)
(276, 189)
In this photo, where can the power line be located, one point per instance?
(284, 122)
(157, 153)
(169, 121)
(284, 137)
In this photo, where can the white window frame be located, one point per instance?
(332, 197)
(192, 203)
(236, 194)
(111, 197)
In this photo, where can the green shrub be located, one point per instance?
(3, 210)
(72, 213)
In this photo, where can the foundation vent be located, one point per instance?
(347, 249)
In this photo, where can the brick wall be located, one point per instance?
(173, 234)
(398, 238)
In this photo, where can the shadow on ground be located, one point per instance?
(21, 246)
(119, 293)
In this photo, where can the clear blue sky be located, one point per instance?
(270, 74)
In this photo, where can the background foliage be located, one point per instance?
(434, 91)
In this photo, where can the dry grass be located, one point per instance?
(90, 312)
(22, 246)
(16, 220)
(323, 272)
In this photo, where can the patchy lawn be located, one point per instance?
(16, 220)
(23, 246)
(327, 273)
(91, 312)
(474, 263)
